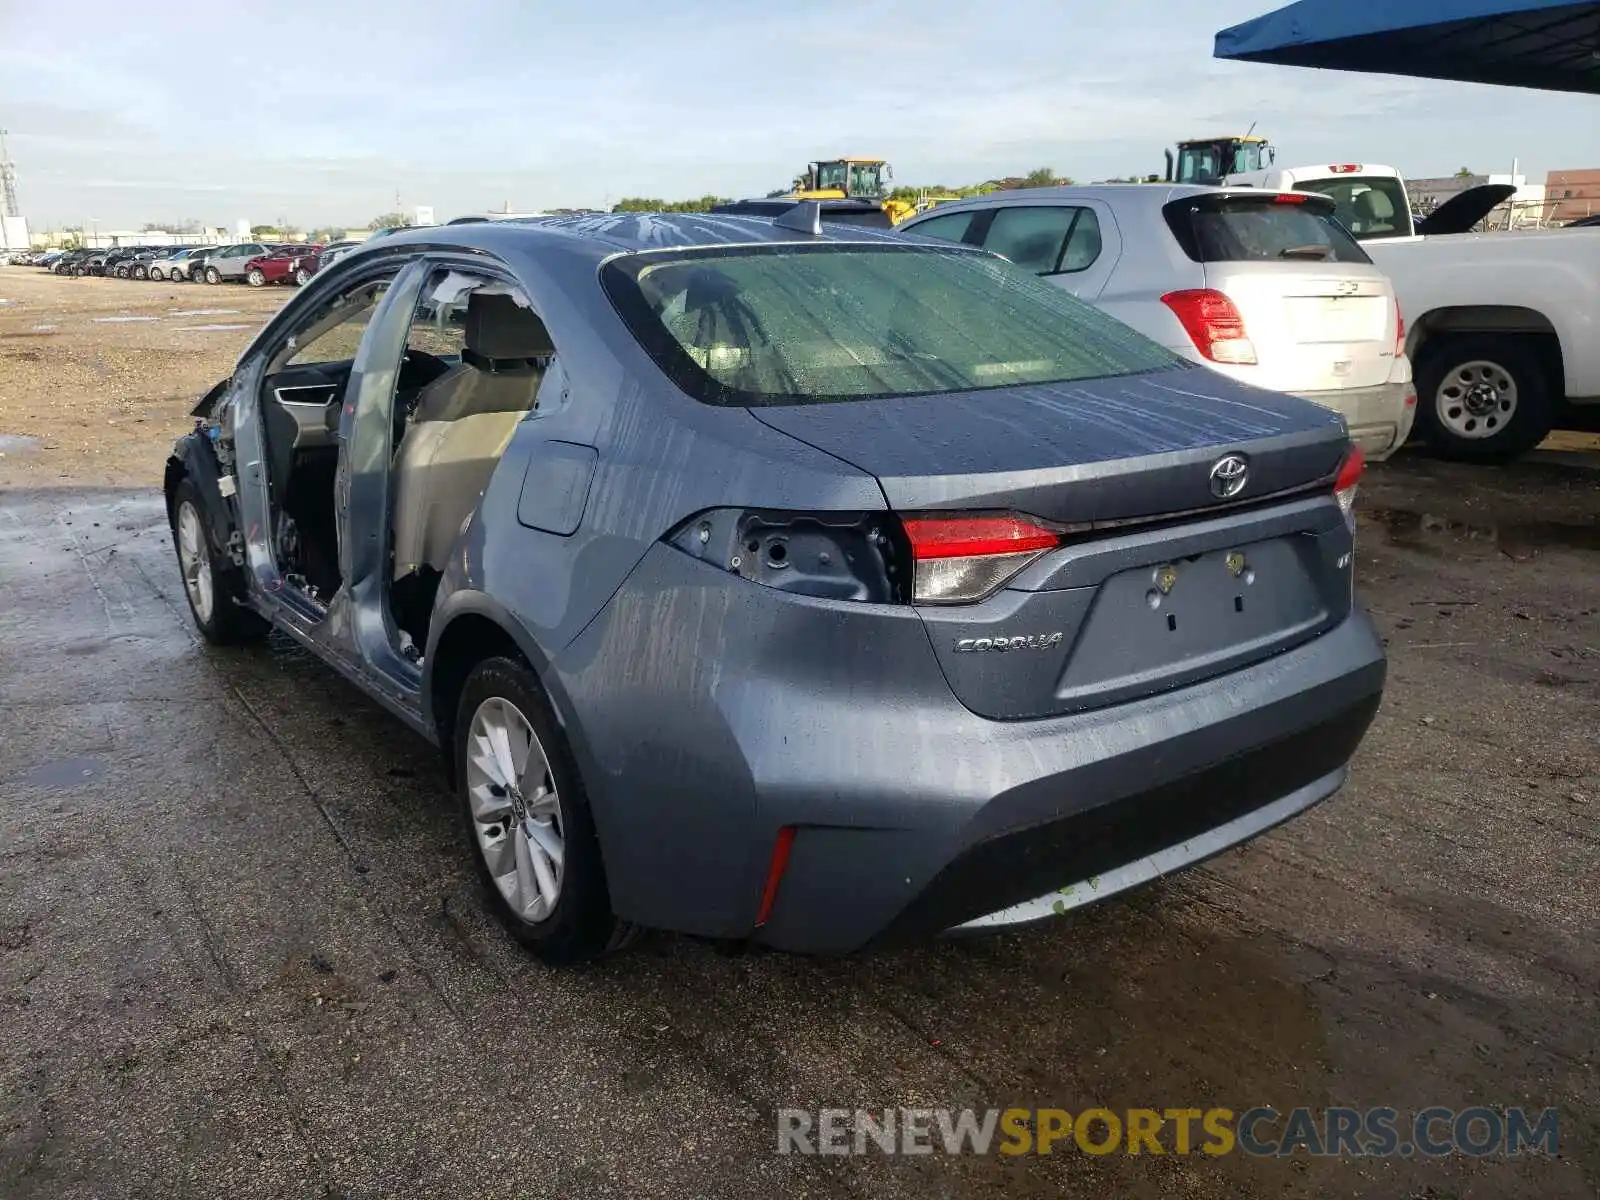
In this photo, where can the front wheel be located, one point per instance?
(157, 274)
(1483, 398)
(213, 275)
(255, 277)
(214, 593)
(141, 272)
(528, 818)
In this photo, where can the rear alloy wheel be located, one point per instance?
(529, 819)
(1483, 398)
(213, 275)
(213, 593)
(301, 277)
(255, 277)
(141, 272)
(157, 274)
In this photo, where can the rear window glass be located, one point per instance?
(1247, 229)
(803, 324)
(1369, 206)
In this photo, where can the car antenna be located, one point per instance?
(805, 217)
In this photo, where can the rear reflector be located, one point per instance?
(961, 559)
(1213, 324)
(775, 870)
(1344, 484)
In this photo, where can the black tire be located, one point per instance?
(302, 277)
(255, 277)
(1456, 386)
(141, 272)
(229, 621)
(213, 275)
(581, 927)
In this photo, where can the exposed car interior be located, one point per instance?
(456, 427)
(474, 361)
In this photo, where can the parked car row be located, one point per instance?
(254, 263)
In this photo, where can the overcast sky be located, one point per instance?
(320, 112)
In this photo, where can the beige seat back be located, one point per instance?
(460, 427)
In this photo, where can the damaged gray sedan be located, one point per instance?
(786, 583)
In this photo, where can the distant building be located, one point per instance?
(1572, 195)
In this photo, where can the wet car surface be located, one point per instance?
(242, 950)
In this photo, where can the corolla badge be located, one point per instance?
(1229, 474)
(1032, 641)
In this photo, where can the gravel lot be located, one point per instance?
(242, 952)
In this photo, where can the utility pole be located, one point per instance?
(8, 181)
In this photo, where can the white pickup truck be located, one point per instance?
(1504, 327)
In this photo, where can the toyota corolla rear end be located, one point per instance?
(1101, 626)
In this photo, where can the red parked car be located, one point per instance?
(285, 264)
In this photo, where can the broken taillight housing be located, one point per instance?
(1213, 324)
(1344, 484)
(957, 559)
(876, 557)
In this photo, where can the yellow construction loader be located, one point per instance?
(1209, 160)
(857, 179)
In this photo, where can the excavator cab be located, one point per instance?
(1209, 161)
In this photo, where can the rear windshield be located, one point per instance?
(1215, 228)
(1369, 206)
(798, 324)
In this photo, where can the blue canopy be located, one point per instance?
(1549, 44)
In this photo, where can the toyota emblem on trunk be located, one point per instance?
(1228, 476)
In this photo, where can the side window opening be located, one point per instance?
(476, 357)
(1047, 240)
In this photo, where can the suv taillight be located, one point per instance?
(1399, 330)
(1344, 484)
(959, 559)
(1213, 324)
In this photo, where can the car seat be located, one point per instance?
(460, 426)
(1374, 212)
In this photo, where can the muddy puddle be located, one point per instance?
(1522, 539)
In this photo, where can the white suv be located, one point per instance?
(1267, 288)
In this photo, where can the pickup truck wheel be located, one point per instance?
(528, 818)
(214, 593)
(255, 277)
(1482, 398)
(213, 275)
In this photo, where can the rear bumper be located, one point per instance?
(1379, 417)
(706, 718)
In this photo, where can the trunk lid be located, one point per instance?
(1094, 451)
(1236, 579)
(1320, 315)
(1314, 329)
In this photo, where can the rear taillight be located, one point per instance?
(959, 559)
(1399, 330)
(1214, 325)
(1344, 484)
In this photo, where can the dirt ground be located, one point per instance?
(242, 951)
